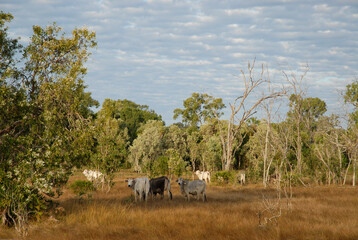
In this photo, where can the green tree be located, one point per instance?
(351, 136)
(351, 97)
(45, 116)
(111, 148)
(198, 109)
(148, 146)
(132, 115)
(304, 115)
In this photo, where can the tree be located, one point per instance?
(236, 123)
(296, 111)
(304, 116)
(130, 113)
(112, 142)
(351, 137)
(148, 146)
(198, 109)
(47, 118)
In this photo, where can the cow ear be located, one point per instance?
(126, 180)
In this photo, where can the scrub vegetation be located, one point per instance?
(300, 164)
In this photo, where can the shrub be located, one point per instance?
(224, 177)
(81, 188)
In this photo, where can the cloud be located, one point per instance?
(157, 52)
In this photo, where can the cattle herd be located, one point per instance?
(142, 186)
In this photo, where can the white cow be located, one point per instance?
(241, 177)
(205, 175)
(93, 175)
(196, 187)
(140, 186)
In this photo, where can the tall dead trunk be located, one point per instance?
(265, 172)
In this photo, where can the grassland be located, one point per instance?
(322, 212)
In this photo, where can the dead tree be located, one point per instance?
(240, 113)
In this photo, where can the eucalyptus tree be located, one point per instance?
(329, 149)
(46, 115)
(351, 137)
(263, 151)
(240, 113)
(198, 109)
(148, 146)
(131, 114)
(303, 115)
(111, 144)
(211, 150)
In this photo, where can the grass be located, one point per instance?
(230, 213)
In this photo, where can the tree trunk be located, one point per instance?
(265, 172)
(354, 171)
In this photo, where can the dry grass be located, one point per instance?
(230, 213)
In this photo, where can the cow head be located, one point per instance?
(181, 181)
(131, 182)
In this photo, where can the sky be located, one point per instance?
(158, 52)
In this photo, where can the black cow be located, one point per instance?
(159, 185)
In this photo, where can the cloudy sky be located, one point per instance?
(158, 52)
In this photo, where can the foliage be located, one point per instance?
(351, 96)
(199, 108)
(224, 177)
(132, 115)
(45, 116)
(148, 147)
(81, 188)
(111, 144)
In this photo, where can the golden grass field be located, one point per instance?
(322, 212)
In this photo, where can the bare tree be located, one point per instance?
(235, 122)
(299, 93)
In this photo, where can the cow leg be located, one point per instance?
(204, 197)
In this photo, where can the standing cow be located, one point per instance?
(159, 185)
(241, 177)
(205, 175)
(196, 187)
(140, 186)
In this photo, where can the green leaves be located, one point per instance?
(198, 109)
(351, 96)
(44, 117)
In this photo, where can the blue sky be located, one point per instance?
(158, 52)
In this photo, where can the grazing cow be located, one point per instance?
(241, 177)
(159, 185)
(93, 175)
(196, 187)
(140, 186)
(205, 175)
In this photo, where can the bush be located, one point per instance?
(224, 177)
(81, 188)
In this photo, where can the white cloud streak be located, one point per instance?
(157, 52)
